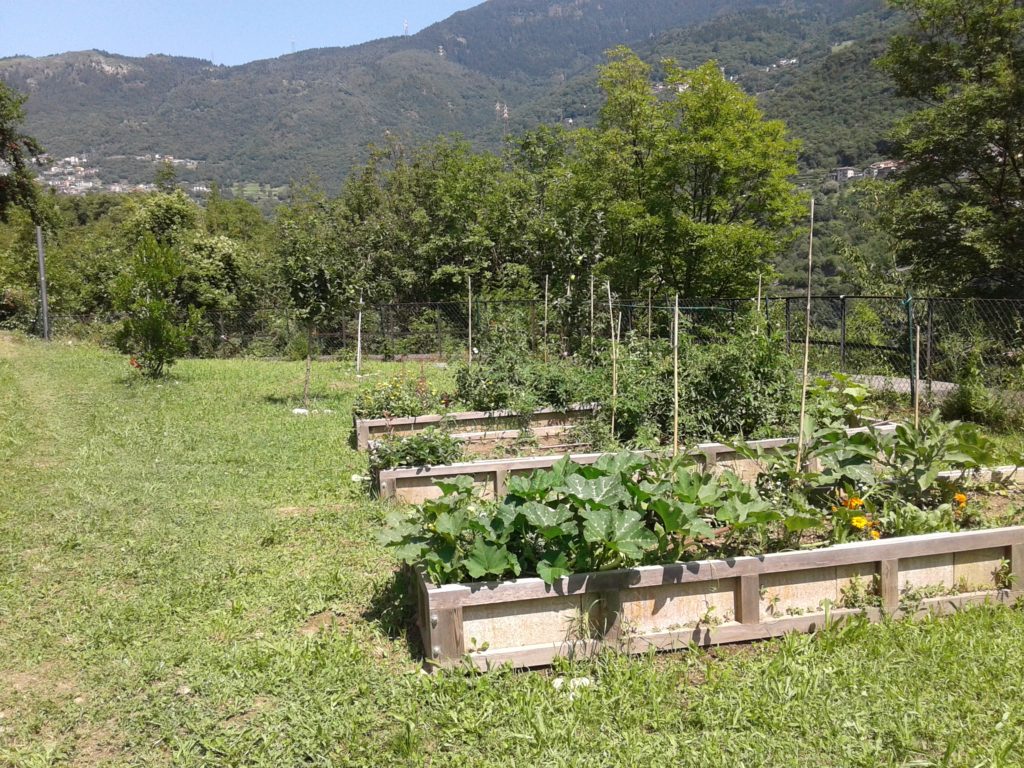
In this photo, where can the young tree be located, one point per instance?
(17, 152)
(157, 325)
(957, 211)
(314, 266)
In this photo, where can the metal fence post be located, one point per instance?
(842, 334)
(910, 347)
(789, 345)
(928, 347)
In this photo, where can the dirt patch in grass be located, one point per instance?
(42, 682)
(325, 620)
(290, 512)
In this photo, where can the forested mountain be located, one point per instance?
(315, 112)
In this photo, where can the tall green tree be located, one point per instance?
(957, 211)
(683, 185)
(17, 152)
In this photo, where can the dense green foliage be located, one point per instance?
(17, 151)
(629, 510)
(956, 217)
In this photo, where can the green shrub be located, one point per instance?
(430, 447)
(156, 329)
(399, 397)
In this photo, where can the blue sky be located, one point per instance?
(228, 31)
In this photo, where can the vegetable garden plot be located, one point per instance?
(475, 425)
(527, 622)
(414, 485)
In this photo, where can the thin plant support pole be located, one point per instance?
(917, 382)
(675, 379)
(545, 318)
(615, 370)
(44, 302)
(359, 335)
(309, 366)
(649, 314)
(807, 344)
(591, 313)
(759, 293)
(470, 315)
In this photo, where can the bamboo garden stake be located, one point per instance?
(545, 318)
(615, 370)
(359, 334)
(807, 344)
(675, 379)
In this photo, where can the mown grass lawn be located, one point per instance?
(189, 576)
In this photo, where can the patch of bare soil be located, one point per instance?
(325, 620)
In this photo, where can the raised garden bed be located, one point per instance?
(414, 485)
(480, 426)
(526, 622)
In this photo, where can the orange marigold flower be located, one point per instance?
(875, 533)
(960, 498)
(854, 502)
(859, 522)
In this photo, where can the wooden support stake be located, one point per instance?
(748, 600)
(615, 370)
(807, 344)
(591, 313)
(889, 585)
(446, 641)
(545, 318)
(611, 617)
(675, 379)
(1016, 558)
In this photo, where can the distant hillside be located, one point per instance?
(316, 112)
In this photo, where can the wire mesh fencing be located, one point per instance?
(888, 342)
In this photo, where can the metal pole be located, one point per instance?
(789, 343)
(359, 335)
(43, 300)
(470, 319)
(910, 347)
(842, 334)
(917, 388)
(928, 349)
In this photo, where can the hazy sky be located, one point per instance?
(226, 31)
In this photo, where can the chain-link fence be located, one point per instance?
(889, 342)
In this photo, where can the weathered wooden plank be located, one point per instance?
(610, 617)
(709, 570)
(748, 599)
(889, 584)
(446, 640)
(542, 655)
(1015, 555)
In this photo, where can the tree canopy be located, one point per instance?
(17, 152)
(958, 209)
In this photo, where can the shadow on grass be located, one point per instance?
(393, 609)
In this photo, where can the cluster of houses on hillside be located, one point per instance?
(880, 170)
(74, 176)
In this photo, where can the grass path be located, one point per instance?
(188, 576)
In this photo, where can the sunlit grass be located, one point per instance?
(188, 575)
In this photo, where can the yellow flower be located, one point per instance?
(859, 522)
(854, 502)
(875, 534)
(960, 499)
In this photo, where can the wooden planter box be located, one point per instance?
(413, 485)
(526, 623)
(474, 424)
